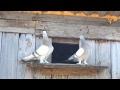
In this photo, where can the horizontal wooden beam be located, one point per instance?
(65, 40)
(17, 30)
(17, 26)
(17, 23)
(75, 20)
(29, 16)
(13, 15)
(60, 65)
(74, 30)
(66, 69)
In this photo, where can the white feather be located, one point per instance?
(43, 50)
(28, 57)
(80, 52)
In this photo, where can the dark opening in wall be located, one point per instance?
(63, 51)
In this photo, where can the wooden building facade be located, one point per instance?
(21, 34)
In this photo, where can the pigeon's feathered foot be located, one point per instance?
(84, 62)
(79, 62)
(46, 61)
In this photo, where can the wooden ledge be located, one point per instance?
(65, 69)
(61, 65)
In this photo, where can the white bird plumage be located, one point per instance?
(43, 52)
(83, 53)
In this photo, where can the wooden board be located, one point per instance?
(74, 31)
(59, 77)
(13, 15)
(0, 55)
(103, 58)
(71, 19)
(115, 56)
(17, 30)
(60, 65)
(17, 23)
(65, 40)
(28, 16)
(67, 71)
(17, 26)
(9, 55)
(75, 20)
(26, 46)
(91, 59)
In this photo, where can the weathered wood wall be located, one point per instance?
(18, 38)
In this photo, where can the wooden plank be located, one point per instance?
(13, 15)
(60, 65)
(65, 40)
(0, 55)
(115, 56)
(4, 71)
(73, 77)
(91, 59)
(114, 59)
(28, 16)
(75, 20)
(37, 74)
(74, 30)
(17, 30)
(59, 77)
(17, 23)
(82, 77)
(9, 55)
(66, 71)
(26, 46)
(103, 58)
(71, 19)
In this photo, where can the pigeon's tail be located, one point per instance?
(71, 60)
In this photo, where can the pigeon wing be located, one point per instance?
(42, 50)
(80, 52)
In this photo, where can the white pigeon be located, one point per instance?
(43, 52)
(82, 53)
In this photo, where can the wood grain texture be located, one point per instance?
(26, 46)
(0, 54)
(9, 55)
(115, 56)
(103, 58)
(59, 77)
(67, 71)
(91, 59)
(17, 30)
(12, 15)
(17, 23)
(28, 16)
(62, 65)
(65, 40)
(75, 20)
(74, 30)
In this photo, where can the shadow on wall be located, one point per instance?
(63, 51)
